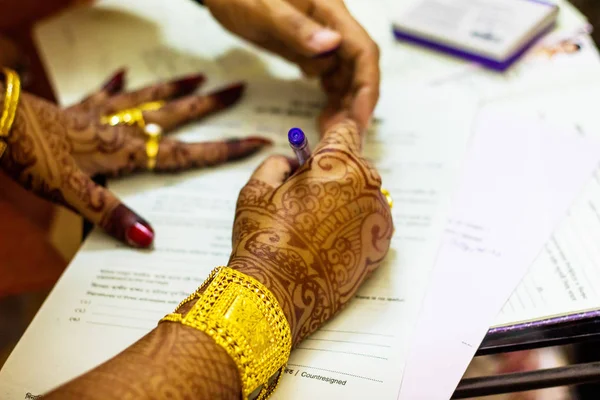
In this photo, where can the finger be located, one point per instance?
(300, 32)
(310, 66)
(111, 87)
(275, 170)
(364, 54)
(359, 52)
(177, 156)
(332, 114)
(366, 88)
(345, 133)
(339, 80)
(160, 91)
(103, 208)
(187, 109)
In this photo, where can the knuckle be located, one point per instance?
(297, 25)
(295, 21)
(277, 162)
(374, 173)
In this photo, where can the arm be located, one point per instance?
(173, 361)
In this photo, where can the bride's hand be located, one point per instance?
(313, 238)
(53, 152)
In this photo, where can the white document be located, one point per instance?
(565, 277)
(110, 295)
(519, 179)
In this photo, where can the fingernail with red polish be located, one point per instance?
(116, 83)
(140, 235)
(188, 84)
(229, 95)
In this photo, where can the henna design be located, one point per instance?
(38, 156)
(314, 240)
(177, 362)
(53, 152)
(189, 108)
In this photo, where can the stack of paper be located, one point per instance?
(431, 105)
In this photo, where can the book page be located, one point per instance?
(111, 295)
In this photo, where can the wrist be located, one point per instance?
(257, 269)
(241, 316)
(208, 362)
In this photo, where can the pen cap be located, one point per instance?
(296, 137)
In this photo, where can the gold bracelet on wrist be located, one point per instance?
(9, 109)
(243, 317)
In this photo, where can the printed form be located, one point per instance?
(110, 295)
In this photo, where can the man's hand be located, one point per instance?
(322, 38)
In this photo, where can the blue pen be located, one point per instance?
(299, 143)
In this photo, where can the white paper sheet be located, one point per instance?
(81, 325)
(565, 276)
(110, 295)
(520, 177)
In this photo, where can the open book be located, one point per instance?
(110, 295)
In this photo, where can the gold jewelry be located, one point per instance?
(132, 116)
(388, 197)
(245, 319)
(9, 110)
(154, 133)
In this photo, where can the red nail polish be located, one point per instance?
(229, 95)
(140, 235)
(116, 83)
(188, 84)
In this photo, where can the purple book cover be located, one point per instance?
(498, 65)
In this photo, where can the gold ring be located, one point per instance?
(132, 116)
(388, 197)
(154, 133)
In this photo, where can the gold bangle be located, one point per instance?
(9, 110)
(244, 318)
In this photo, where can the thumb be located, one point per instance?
(103, 208)
(301, 33)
